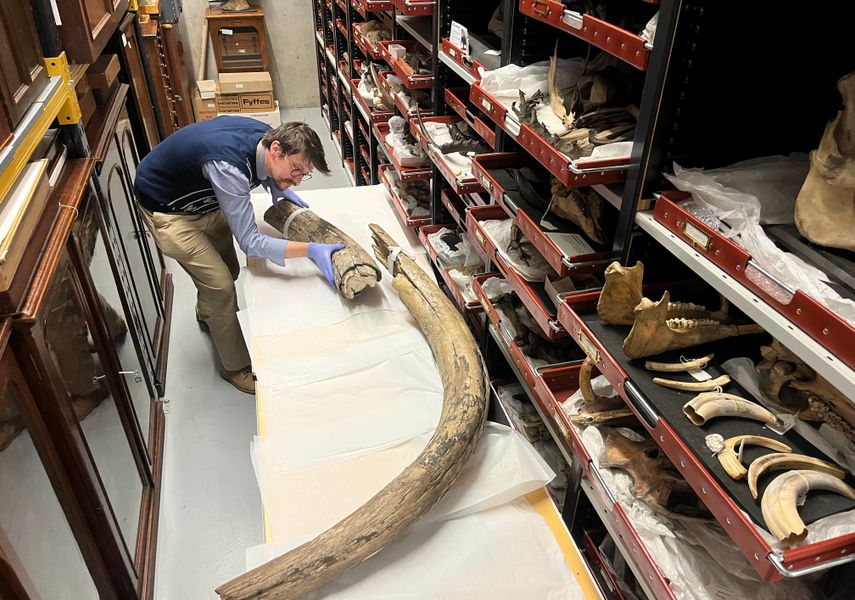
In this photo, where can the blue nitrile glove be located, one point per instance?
(321, 255)
(291, 196)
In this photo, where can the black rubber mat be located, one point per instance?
(669, 406)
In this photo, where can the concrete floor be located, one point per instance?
(210, 506)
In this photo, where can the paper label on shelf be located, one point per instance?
(226, 32)
(460, 37)
(238, 86)
(570, 244)
(124, 40)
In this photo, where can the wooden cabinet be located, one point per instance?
(238, 39)
(22, 71)
(87, 26)
(165, 55)
(141, 106)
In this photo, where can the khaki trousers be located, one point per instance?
(204, 247)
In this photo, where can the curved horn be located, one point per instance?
(778, 461)
(779, 502)
(710, 405)
(730, 461)
(693, 386)
(691, 365)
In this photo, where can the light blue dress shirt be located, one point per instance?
(231, 186)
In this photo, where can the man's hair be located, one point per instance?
(298, 138)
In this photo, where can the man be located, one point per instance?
(193, 189)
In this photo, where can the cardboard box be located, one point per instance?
(245, 83)
(227, 103)
(204, 109)
(272, 118)
(257, 102)
(103, 72)
(207, 89)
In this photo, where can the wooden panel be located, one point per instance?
(87, 26)
(182, 95)
(134, 75)
(22, 71)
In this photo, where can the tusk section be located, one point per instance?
(711, 405)
(414, 491)
(691, 365)
(778, 461)
(693, 386)
(730, 461)
(780, 498)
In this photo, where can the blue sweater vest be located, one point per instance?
(170, 178)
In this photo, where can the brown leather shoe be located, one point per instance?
(242, 379)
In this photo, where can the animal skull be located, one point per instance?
(621, 293)
(582, 206)
(825, 206)
(785, 377)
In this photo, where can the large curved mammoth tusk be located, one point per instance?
(730, 460)
(693, 386)
(780, 498)
(412, 493)
(778, 461)
(689, 365)
(711, 405)
(353, 268)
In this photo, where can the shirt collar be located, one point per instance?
(259, 163)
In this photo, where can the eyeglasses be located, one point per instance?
(296, 172)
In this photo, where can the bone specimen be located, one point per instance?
(582, 206)
(597, 409)
(693, 386)
(730, 460)
(785, 376)
(382, 99)
(711, 405)
(778, 461)
(661, 326)
(781, 497)
(353, 267)
(650, 480)
(621, 293)
(412, 493)
(690, 365)
(824, 212)
(556, 96)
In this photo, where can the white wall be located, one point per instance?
(291, 45)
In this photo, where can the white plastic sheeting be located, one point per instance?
(349, 396)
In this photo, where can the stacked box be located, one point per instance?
(250, 92)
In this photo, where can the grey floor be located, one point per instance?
(210, 506)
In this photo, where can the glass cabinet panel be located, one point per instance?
(119, 196)
(94, 251)
(72, 344)
(31, 517)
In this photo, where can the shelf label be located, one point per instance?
(570, 244)
(588, 347)
(226, 32)
(696, 236)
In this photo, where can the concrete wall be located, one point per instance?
(291, 43)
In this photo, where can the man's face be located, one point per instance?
(286, 170)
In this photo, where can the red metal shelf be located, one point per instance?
(414, 8)
(618, 42)
(368, 6)
(342, 27)
(455, 206)
(405, 219)
(406, 173)
(562, 264)
(824, 326)
(368, 111)
(454, 102)
(471, 66)
(769, 564)
(412, 81)
(460, 184)
(544, 314)
(466, 307)
(405, 111)
(366, 174)
(366, 155)
(572, 173)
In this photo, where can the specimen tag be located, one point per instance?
(570, 244)
(460, 37)
(696, 236)
(700, 375)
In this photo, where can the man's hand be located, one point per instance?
(292, 197)
(321, 255)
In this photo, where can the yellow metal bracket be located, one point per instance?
(133, 5)
(69, 112)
